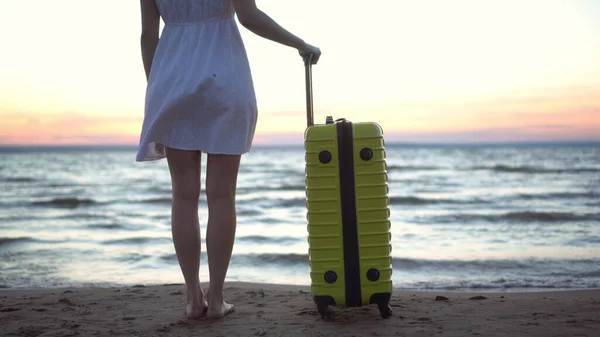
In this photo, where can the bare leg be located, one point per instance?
(184, 167)
(221, 181)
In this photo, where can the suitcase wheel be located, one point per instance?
(324, 306)
(383, 304)
(385, 310)
(327, 312)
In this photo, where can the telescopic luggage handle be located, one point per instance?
(309, 99)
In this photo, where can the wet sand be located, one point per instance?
(283, 310)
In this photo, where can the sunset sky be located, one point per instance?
(427, 71)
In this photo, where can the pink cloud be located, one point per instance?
(572, 114)
(539, 133)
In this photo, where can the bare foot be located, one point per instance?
(219, 311)
(194, 312)
(196, 304)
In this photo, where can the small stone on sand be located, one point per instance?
(478, 298)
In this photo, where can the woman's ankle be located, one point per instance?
(215, 296)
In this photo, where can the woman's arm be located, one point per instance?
(149, 37)
(261, 24)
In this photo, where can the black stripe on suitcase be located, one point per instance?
(349, 219)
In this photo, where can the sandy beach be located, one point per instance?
(283, 310)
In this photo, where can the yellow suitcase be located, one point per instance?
(348, 214)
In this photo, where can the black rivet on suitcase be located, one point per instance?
(366, 154)
(373, 274)
(330, 277)
(324, 156)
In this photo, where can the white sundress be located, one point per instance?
(200, 93)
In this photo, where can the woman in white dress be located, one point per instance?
(200, 98)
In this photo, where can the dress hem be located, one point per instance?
(184, 148)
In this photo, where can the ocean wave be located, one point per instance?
(273, 170)
(173, 257)
(412, 200)
(533, 273)
(65, 202)
(295, 202)
(593, 273)
(271, 220)
(551, 216)
(257, 259)
(509, 283)
(533, 267)
(585, 241)
(534, 169)
(84, 216)
(248, 212)
(267, 188)
(414, 168)
(270, 258)
(159, 189)
(5, 241)
(157, 200)
(511, 217)
(274, 202)
(515, 265)
(136, 241)
(133, 257)
(17, 179)
(25, 239)
(18, 217)
(496, 274)
(498, 168)
(259, 239)
(105, 226)
(557, 195)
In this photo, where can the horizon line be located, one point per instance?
(267, 145)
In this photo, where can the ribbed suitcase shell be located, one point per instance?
(348, 226)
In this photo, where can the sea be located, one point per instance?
(508, 217)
